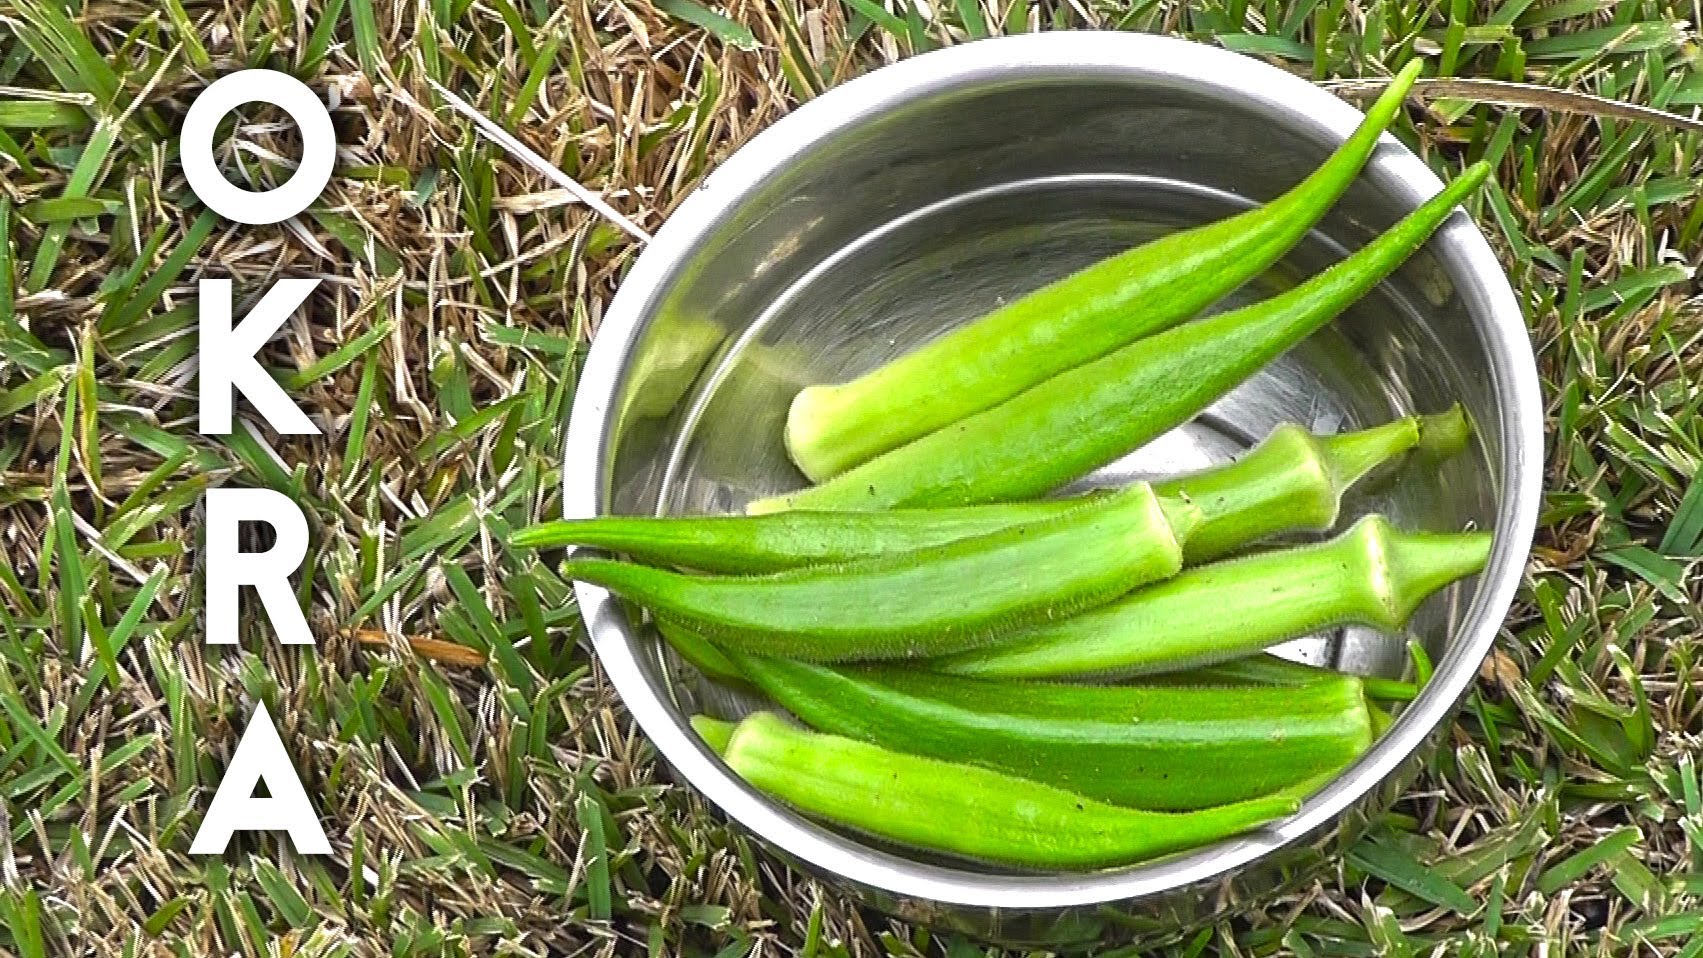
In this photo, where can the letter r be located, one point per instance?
(228, 569)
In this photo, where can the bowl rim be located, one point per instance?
(1459, 246)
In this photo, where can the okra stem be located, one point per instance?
(1080, 318)
(965, 810)
(1445, 434)
(928, 602)
(1373, 574)
(1293, 481)
(1158, 747)
(1090, 415)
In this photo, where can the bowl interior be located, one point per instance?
(920, 216)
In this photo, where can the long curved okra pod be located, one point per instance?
(1293, 481)
(1372, 574)
(1090, 415)
(929, 602)
(963, 810)
(1263, 670)
(1270, 671)
(786, 540)
(1080, 318)
(1160, 747)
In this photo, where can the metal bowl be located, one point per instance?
(918, 197)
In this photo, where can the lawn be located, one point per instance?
(483, 790)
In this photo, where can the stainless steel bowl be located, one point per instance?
(918, 197)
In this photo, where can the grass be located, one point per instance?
(485, 793)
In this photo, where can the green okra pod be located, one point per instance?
(1373, 574)
(1087, 416)
(786, 540)
(831, 428)
(928, 602)
(1269, 670)
(701, 653)
(1171, 748)
(715, 732)
(1293, 481)
(1264, 670)
(963, 810)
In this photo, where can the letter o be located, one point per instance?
(319, 146)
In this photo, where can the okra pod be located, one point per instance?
(1080, 318)
(1293, 481)
(1264, 670)
(715, 732)
(1087, 416)
(786, 540)
(1269, 670)
(1171, 748)
(936, 600)
(1373, 574)
(701, 653)
(963, 810)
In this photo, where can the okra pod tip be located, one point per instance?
(715, 732)
(700, 653)
(749, 544)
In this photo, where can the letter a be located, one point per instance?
(227, 356)
(259, 757)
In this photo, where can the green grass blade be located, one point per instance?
(1684, 535)
(123, 311)
(598, 886)
(83, 179)
(1396, 867)
(1574, 867)
(728, 31)
(338, 358)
